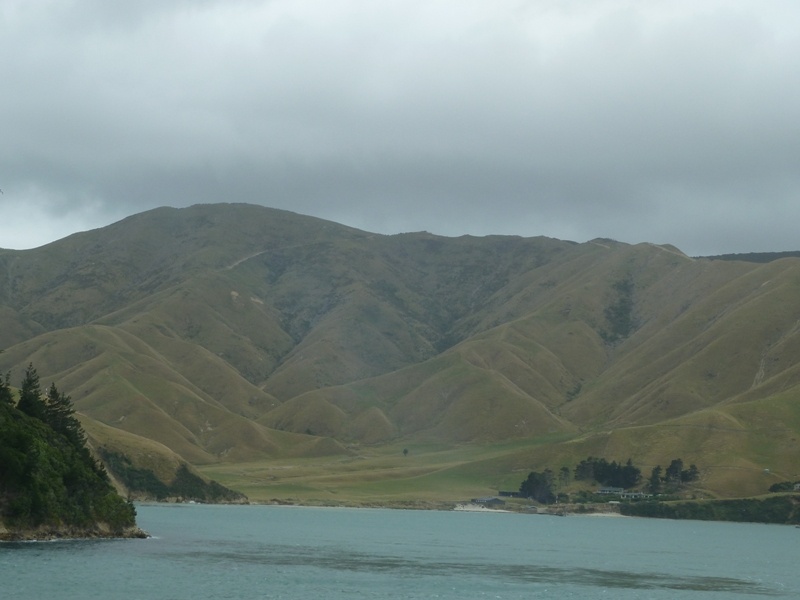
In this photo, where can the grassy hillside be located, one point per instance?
(239, 336)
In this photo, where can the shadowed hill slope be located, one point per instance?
(236, 333)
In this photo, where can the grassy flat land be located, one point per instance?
(433, 475)
(427, 475)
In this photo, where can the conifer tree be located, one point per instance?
(690, 474)
(6, 397)
(59, 414)
(654, 484)
(30, 395)
(629, 475)
(673, 472)
(539, 487)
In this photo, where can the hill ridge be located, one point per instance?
(254, 333)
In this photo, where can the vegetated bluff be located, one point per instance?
(50, 485)
(235, 332)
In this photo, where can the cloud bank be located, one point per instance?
(665, 121)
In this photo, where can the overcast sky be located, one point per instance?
(661, 121)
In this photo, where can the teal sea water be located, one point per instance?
(217, 552)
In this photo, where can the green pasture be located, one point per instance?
(427, 474)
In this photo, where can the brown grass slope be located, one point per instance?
(237, 333)
(119, 380)
(711, 349)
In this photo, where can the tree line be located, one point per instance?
(672, 477)
(542, 486)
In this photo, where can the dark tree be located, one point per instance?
(60, 415)
(564, 475)
(674, 470)
(608, 473)
(30, 395)
(690, 474)
(584, 471)
(6, 397)
(783, 486)
(654, 483)
(539, 487)
(629, 475)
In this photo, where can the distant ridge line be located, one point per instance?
(755, 257)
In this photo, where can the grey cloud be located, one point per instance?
(663, 122)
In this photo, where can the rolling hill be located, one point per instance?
(236, 334)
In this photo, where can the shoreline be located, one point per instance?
(472, 507)
(50, 534)
(580, 510)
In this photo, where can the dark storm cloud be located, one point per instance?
(670, 122)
